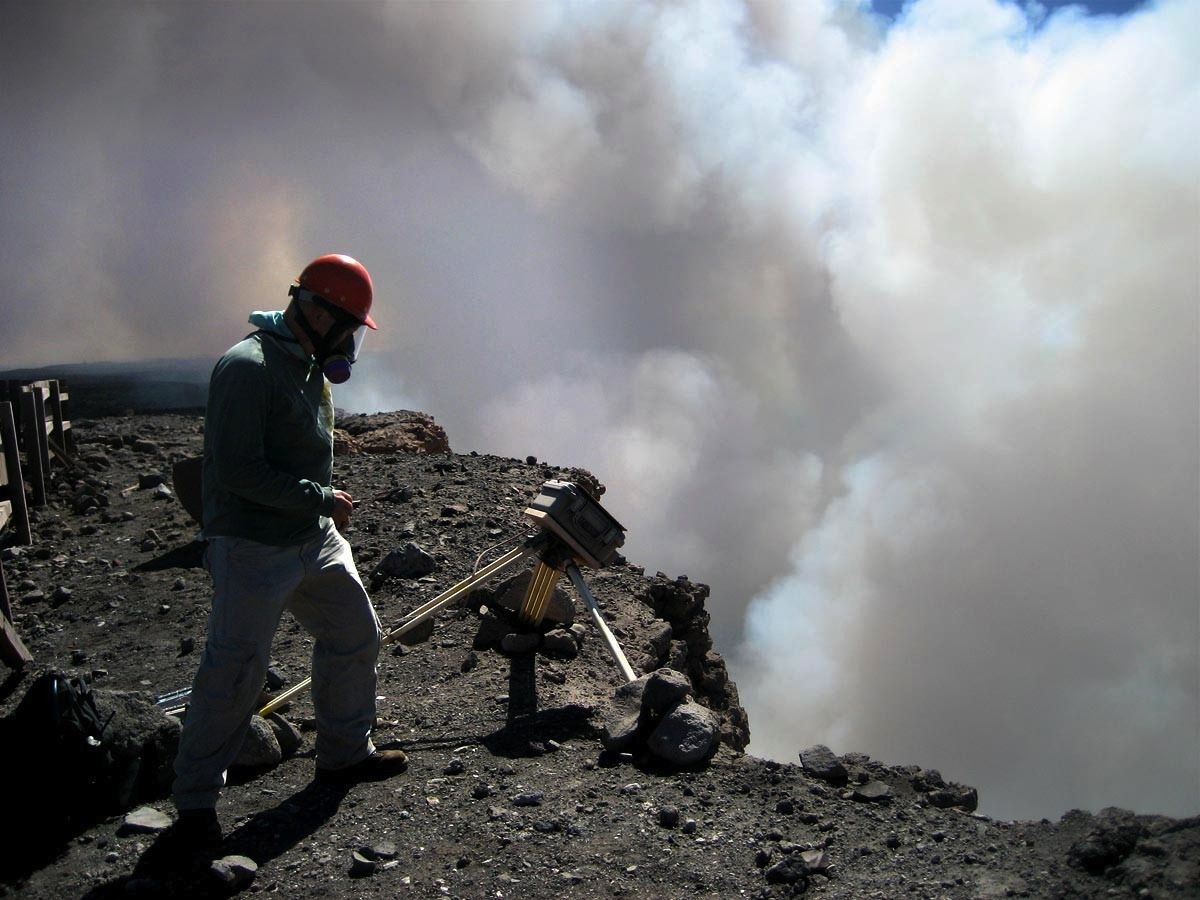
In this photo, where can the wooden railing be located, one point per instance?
(35, 430)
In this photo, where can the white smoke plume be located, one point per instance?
(888, 331)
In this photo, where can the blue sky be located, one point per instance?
(1095, 7)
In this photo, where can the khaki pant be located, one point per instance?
(253, 584)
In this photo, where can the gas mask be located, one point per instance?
(337, 350)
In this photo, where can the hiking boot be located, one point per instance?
(379, 765)
(195, 831)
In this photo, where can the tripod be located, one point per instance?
(554, 557)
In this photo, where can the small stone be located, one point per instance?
(361, 866)
(60, 596)
(668, 816)
(186, 645)
(788, 870)
(959, 796)
(561, 642)
(892, 841)
(529, 798)
(162, 492)
(482, 791)
(380, 850)
(873, 792)
(524, 642)
(689, 826)
(234, 872)
(261, 748)
(785, 807)
(762, 857)
(286, 734)
(815, 860)
(78, 657)
(455, 767)
(820, 762)
(409, 561)
(144, 820)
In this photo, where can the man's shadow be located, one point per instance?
(271, 833)
(267, 835)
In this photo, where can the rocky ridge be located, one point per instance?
(521, 782)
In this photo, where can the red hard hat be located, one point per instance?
(343, 281)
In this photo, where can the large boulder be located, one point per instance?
(653, 714)
(687, 734)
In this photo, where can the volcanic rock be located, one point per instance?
(408, 561)
(687, 734)
(820, 762)
(403, 431)
(260, 748)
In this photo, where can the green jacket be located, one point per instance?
(268, 445)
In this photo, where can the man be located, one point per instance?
(272, 519)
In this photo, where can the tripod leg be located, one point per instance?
(419, 615)
(537, 594)
(613, 647)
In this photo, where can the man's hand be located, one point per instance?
(343, 507)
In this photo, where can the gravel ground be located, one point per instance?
(509, 792)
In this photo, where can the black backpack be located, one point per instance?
(59, 731)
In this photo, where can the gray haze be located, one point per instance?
(887, 332)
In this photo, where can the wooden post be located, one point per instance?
(12, 485)
(61, 432)
(12, 650)
(41, 391)
(12, 393)
(33, 420)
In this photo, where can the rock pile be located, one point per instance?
(402, 431)
(867, 781)
(558, 636)
(657, 713)
(682, 642)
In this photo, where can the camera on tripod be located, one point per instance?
(574, 517)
